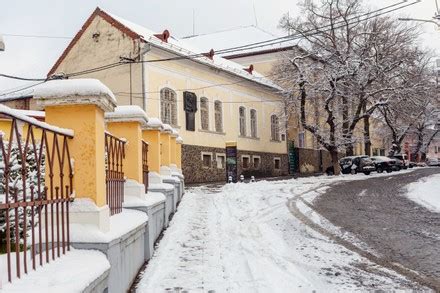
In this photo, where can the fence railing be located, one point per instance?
(35, 193)
(145, 170)
(115, 153)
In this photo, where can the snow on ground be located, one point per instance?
(243, 238)
(425, 192)
(72, 272)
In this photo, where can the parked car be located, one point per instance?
(385, 164)
(433, 162)
(403, 158)
(412, 164)
(357, 164)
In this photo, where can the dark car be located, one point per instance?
(384, 164)
(357, 164)
(404, 163)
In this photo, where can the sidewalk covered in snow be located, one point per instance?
(243, 238)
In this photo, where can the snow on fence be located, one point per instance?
(114, 154)
(35, 193)
(145, 170)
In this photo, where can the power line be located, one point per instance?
(22, 89)
(232, 49)
(37, 36)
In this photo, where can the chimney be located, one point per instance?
(163, 36)
(210, 54)
(249, 69)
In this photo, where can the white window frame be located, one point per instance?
(248, 157)
(274, 165)
(221, 116)
(202, 154)
(217, 155)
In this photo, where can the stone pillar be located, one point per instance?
(165, 140)
(79, 104)
(151, 134)
(127, 122)
(173, 147)
(179, 142)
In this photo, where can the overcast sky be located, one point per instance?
(32, 57)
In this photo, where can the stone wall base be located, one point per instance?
(195, 171)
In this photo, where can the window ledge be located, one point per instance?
(279, 141)
(249, 137)
(210, 131)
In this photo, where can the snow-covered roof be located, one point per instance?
(183, 48)
(237, 37)
(128, 113)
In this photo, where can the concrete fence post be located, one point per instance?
(79, 104)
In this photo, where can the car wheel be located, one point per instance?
(379, 170)
(367, 173)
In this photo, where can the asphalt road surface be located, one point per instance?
(394, 227)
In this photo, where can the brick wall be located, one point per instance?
(196, 172)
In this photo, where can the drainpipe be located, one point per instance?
(145, 48)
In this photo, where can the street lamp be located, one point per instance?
(421, 20)
(2, 44)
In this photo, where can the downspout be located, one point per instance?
(145, 48)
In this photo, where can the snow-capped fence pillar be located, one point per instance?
(127, 122)
(179, 142)
(173, 147)
(151, 134)
(165, 140)
(80, 104)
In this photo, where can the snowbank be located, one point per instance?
(72, 272)
(425, 192)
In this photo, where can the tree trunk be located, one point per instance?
(367, 142)
(335, 162)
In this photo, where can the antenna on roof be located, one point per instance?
(255, 15)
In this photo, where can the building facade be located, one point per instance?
(208, 99)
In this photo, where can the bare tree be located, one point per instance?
(347, 67)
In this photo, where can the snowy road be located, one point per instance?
(244, 238)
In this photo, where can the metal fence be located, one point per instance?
(145, 170)
(115, 154)
(36, 186)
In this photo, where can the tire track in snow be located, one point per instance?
(411, 275)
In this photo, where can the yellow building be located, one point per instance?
(264, 56)
(208, 99)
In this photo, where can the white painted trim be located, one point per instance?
(206, 154)
(224, 161)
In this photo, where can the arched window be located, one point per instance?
(242, 118)
(204, 113)
(274, 128)
(168, 106)
(218, 116)
(253, 123)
